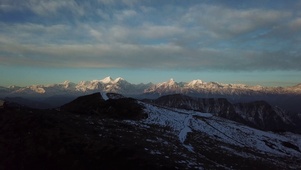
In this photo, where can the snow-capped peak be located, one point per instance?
(67, 84)
(37, 89)
(170, 82)
(195, 83)
(118, 80)
(107, 80)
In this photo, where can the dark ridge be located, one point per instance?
(123, 108)
(94, 104)
(89, 104)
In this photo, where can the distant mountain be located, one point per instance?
(209, 88)
(121, 86)
(258, 114)
(285, 97)
(118, 85)
(164, 88)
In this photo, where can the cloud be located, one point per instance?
(160, 31)
(136, 34)
(47, 8)
(34, 33)
(227, 22)
(125, 14)
(116, 2)
(146, 56)
(295, 25)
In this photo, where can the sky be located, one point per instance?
(251, 42)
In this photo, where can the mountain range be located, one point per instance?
(45, 96)
(120, 85)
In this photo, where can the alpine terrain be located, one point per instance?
(111, 131)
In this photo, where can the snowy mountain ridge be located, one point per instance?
(107, 84)
(285, 97)
(120, 85)
(199, 86)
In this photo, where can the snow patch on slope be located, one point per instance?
(104, 96)
(185, 130)
(184, 122)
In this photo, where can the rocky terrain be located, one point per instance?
(109, 131)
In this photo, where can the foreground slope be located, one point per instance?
(167, 138)
(216, 142)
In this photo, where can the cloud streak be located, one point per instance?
(146, 56)
(135, 34)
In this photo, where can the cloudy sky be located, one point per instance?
(251, 42)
